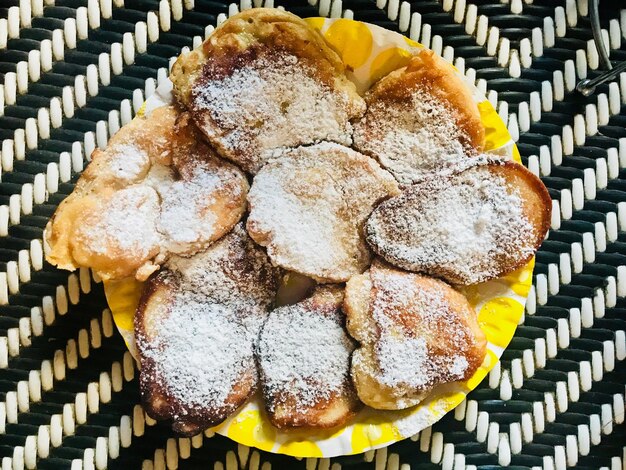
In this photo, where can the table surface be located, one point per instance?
(73, 71)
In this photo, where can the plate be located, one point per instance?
(369, 53)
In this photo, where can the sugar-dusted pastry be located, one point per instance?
(114, 232)
(420, 119)
(304, 360)
(415, 333)
(266, 80)
(156, 189)
(478, 225)
(206, 200)
(308, 208)
(126, 161)
(195, 329)
(133, 149)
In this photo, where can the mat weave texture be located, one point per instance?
(73, 71)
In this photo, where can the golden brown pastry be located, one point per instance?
(126, 161)
(478, 225)
(420, 119)
(265, 80)
(415, 333)
(195, 329)
(308, 208)
(304, 360)
(204, 202)
(114, 232)
(130, 209)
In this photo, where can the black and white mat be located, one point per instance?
(73, 71)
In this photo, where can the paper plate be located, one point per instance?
(369, 52)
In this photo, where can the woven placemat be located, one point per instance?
(74, 71)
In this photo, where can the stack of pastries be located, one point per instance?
(270, 172)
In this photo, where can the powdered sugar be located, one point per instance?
(306, 235)
(460, 227)
(160, 177)
(186, 216)
(406, 362)
(127, 162)
(274, 101)
(403, 361)
(304, 352)
(183, 220)
(199, 206)
(123, 222)
(233, 272)
(423, 337)
(201, 352)
(413, 139)
(308, 206)
(202, 347)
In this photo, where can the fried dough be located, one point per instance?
(472, 227)
(420, 119)
(415, 333)
(114, 232)
(304, 359)
(195, 328)
(308, 208)
(156, 189)
(265, 80)
(204, 203)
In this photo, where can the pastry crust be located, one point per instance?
(421, 119)
(156, 189)
(195, 328)
(308, 208)
(163, 400)
(207, 199)
(126, 161)
(472, 227)
(265, 80)
(304, 358)
(415, 333)
(115, 231)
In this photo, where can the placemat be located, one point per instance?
(74, 71)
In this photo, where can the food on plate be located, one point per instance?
(421, 119)
(260, 185)
(114, 232)
(195, 329)
(309, 205)
(204, 203)
(468, 228)
(156, 189)
(415, 333)
(265, 80)
(304, 360)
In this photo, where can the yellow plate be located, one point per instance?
(369, 52)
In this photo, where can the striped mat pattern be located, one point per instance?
(74, 71)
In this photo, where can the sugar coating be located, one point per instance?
(415, 333)
(201, 351)
(459, 227)
(190, 207)
(415, 325)
(272, 102)
(234, 272)
(304, 353)
(413, 139)
(406, 362)
(127, 162)
(202, 348)
(123, 222)
(309, 205)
